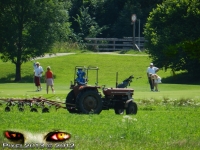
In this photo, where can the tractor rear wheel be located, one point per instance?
(89, 102)
(131, 108)
(70, 99)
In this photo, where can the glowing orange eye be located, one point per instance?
(58, 136)
(13, 135)
(62, 136)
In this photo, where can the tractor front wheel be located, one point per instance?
(119, 111)
(89, 102)
(131, 108)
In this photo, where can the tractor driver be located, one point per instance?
(80, 77)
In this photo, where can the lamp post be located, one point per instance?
(133, 19)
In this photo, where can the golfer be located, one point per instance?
(151, 70)
(38, 70)
(49, 79)
(157, 80)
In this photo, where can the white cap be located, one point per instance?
(151, 64)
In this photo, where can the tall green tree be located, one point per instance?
(116, 15)
(173, 34)
(83, 18)
(87, 24)
(28, 28)
(122, 26)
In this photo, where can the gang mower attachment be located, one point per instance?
(34, 104)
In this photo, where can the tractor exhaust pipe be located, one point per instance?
(116, 79)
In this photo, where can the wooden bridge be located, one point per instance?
(114, 44)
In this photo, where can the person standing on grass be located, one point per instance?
(157, 80)
(49, 79)
(151, 70)
(38, 70)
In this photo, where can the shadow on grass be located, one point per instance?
(26, 79)
(123, 52)
(183, 78)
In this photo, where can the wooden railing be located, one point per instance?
(114, 44)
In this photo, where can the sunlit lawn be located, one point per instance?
(168, 119)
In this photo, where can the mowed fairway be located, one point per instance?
(168, 119)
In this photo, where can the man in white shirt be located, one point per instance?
(151, 70)
(38, 70)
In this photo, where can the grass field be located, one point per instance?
(168, 119)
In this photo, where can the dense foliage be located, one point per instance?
(29, 28)
(172, 31)
(112, 16)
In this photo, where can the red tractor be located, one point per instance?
(86, 99)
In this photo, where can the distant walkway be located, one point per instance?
(50, 55)
(114, 53)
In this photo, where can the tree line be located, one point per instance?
(29, 28)
(173, 34)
